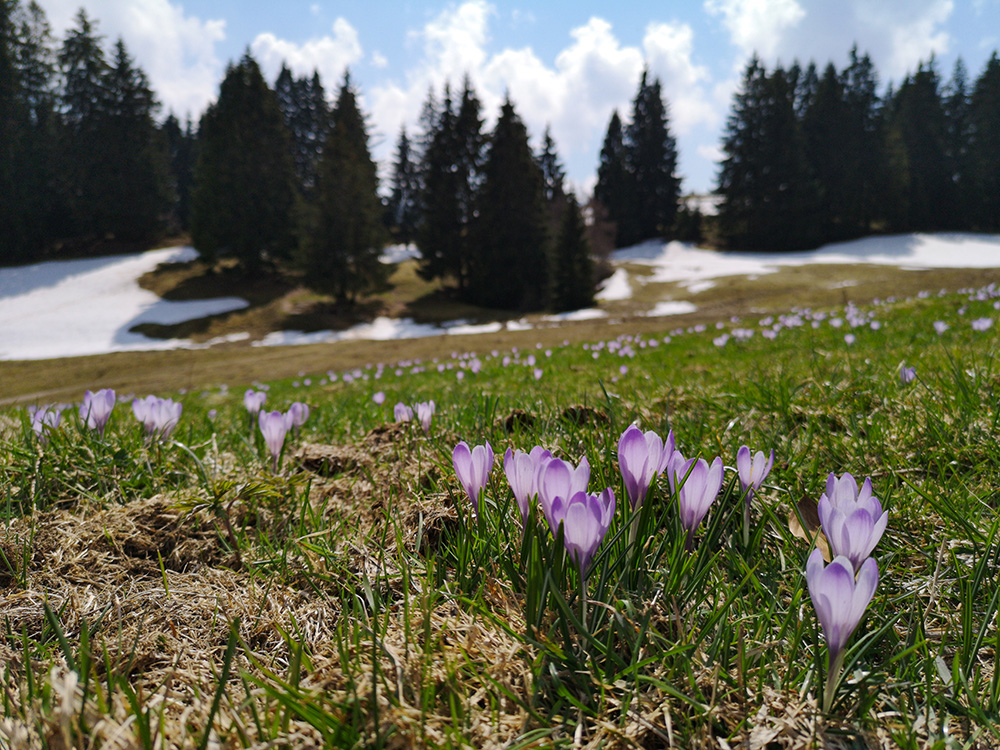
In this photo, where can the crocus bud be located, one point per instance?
(642, 456)
(254, 401)
(402, 412)
(852, 519)
(273, 426)
(558, 478)
(522, 473)
(585, 520)
(298, 413)
(96, 409)
(698, 491)
(752, 470)
(472, 467)
(425, 411)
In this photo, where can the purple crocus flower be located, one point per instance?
(753, 470)
(585, 521)
(425, 411)
(642, 456)
(560, 479)
(96, 409)
(379, 398)
(298, 413)
(840, 601)
(43, 419)
(698, 491)
(273, 426)
(852, 519)
(472, 467)
(522, 473)
(402, 412)
(159, 416)
(254, 401)
(907, 375)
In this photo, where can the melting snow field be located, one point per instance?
(78, 307)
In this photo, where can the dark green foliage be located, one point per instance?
(958, 139)
(451, 179)
(136, 197)
(613, 183)
(342, 233)
(509, 266)
(244, 177)
(770, 198)
(552, 171)
(984, 147)
(402, 209)
(652, 160)
(572, 266)
(918, 119)
(29, 208)
(181, 157)
(85, 172)
(307, 116)
(441, 229)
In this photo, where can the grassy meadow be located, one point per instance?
(181, 593)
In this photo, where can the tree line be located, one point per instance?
(816, 156)
(281, 176)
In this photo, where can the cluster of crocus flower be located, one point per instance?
(43, 419)
(560, 488)
(96, 409)
(158, 416)
(853, 521)
(424, 411)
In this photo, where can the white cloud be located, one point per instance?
(379, 60)
(669, 49)
(897, 35)
(574, 94)
(175, 49)
(757, 25)
(330, 55)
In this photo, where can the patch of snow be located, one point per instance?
(682, 262)
(399, 253)
(615, 287)
(78, 307)
(587, 313)
(671, 307)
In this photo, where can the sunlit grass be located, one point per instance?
(352, 598)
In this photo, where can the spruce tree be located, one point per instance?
(825, 125)
(984, 147)
(244, 177)
(180, 144)
(919, 118)
(651, 156)
(402, 209)
(613, 183)
(958, 138)
(137, 193)
(343, 235)
(864, 153)
(509, 263)
(572, 265)
(553, 173)
(83, 152)
(439, 234)
(307, 117)
(770, 200)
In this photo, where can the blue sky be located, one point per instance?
(565, 64)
